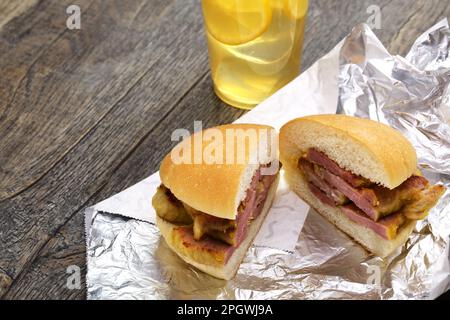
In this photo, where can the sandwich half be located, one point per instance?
(360, 174)
(210, 209)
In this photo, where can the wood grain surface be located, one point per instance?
(86, 113)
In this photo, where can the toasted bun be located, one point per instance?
(369, 239)
(218, 189)
(229, 270)
(364, 147)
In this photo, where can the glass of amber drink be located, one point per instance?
(254, 46)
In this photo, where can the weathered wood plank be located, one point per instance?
(11, 9)
(169, 59)
(24, 40)
(48, 276)
(73, 84)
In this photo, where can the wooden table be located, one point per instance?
(86, 113)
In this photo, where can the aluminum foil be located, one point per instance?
(127, 259)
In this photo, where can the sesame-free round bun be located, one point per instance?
(364, 147)
(228, 270)
(191, 173)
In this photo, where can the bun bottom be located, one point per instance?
(366, 237)
(229, 270)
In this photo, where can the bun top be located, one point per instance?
(211, 170)
(364, 147)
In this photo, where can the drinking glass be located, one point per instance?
(254, 46)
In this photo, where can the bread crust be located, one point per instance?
(216, 189)
(365, 147)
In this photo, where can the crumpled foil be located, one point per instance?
(127, 259)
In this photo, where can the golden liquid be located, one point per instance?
(254, 46)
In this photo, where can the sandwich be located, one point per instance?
(217, 186)
(359, 174)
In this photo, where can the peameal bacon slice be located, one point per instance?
(381, 209)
